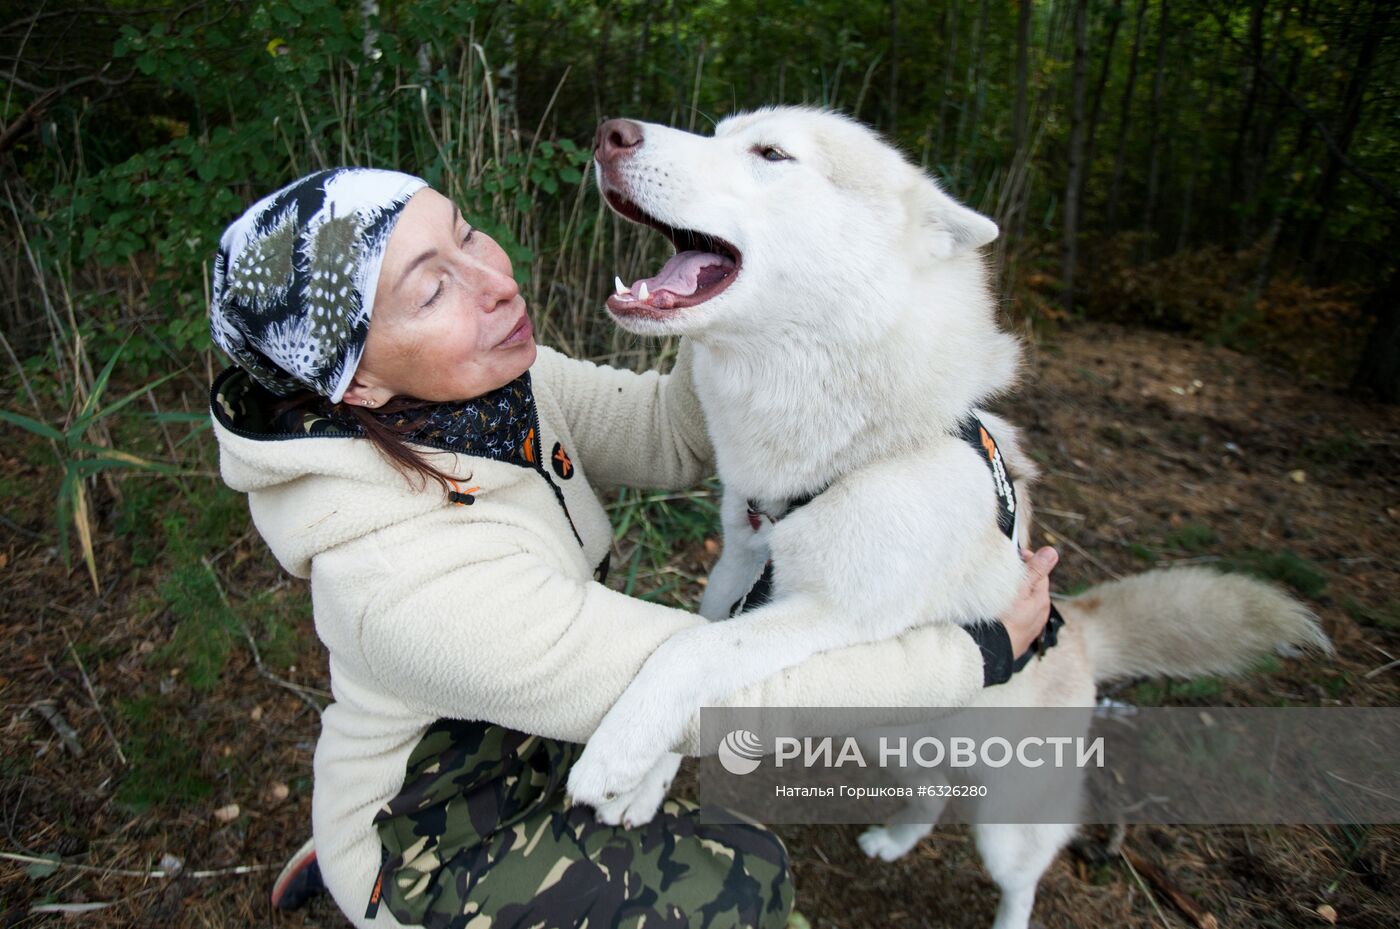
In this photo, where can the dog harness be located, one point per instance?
(974, 433)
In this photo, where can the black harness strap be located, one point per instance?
(760, 593)
(971, 431)
(974, 433)
(1047, 638)
(762, 590)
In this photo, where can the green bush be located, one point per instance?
(262, 95)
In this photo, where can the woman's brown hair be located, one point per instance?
(387, 438)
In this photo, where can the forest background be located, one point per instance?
(1220, 170)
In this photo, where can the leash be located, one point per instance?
(975, 434)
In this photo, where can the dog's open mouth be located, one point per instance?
(702, 267)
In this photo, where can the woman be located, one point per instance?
(406, 446)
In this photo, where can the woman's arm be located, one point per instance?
(642, 430)
(507, 637)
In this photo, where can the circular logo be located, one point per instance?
(560, 460)
(740, 752)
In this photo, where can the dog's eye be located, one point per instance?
(771, 153)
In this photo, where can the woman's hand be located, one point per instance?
(1027, 616)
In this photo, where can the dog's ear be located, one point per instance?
(949, 227)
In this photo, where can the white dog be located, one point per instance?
(844, 338)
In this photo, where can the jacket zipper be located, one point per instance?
(539, 466)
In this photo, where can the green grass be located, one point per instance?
(1386, 617)
(1284, 566)
(139, 518)
(1147, 693)
(14, 766)
(666, 520)
(92, 654)
(207, 626)
(1349, 840)
(656, 525)
(1166, 692)
(12, 487)
(1113, 436)
(163, 747)
(277, 620)
(1266, 664)
(1337, 448)
(1197, 688)
(1184, 436)
(1098, 380)
(1142, 552)
(1195, 538)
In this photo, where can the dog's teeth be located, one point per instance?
(620, 288)
(642, 294)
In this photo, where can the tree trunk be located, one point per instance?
(1379, 368)
(1154, 157)
(968, 114)
(1076, 150)
(1264, 152)
(1115, 18)
(1023, 57)
(601, 62)
(1198, 154)
(894, 68)
(678, 84)
(640, 59)
(1125, 114)
(1353, 100)
(1239, 168)
(945, 100)
(1020, 155)
(1274, 206)
(1172, 141)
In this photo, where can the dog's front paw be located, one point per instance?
(605, 777)
(637, 807)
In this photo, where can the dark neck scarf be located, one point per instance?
(499, 425)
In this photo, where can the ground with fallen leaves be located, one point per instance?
(1156, 450)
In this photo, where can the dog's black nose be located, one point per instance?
(616, 138)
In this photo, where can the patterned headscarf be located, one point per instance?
(295, 277)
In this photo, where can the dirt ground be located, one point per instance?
(1156, 451)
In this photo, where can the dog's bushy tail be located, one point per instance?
(1182, 622)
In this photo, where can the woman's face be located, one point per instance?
(449, 322)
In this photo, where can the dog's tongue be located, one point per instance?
(686, 273)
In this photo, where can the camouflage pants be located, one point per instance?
(479, 839)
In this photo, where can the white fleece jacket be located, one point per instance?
(431, 609)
